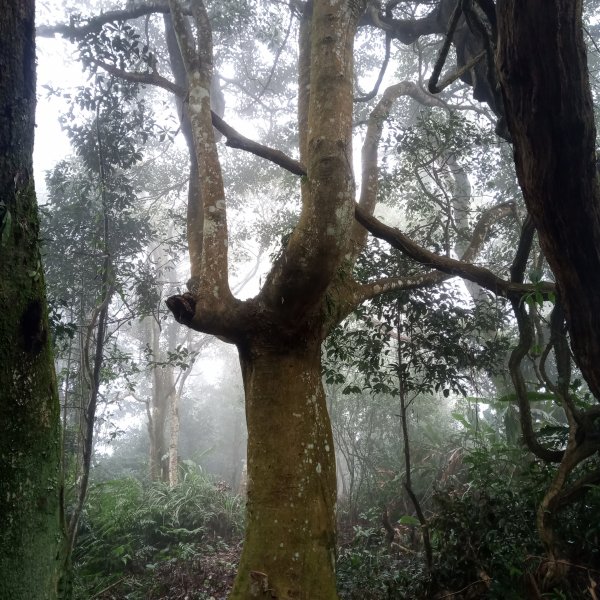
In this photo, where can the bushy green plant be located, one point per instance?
(484, 527)
(484, 536)
(128, 528)
(368, 570)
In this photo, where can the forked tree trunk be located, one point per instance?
(289, 550)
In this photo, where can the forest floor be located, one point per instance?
(206, 577)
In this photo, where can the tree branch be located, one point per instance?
(185, 36)
(452, 267)
(370, 95)
(369, 156)
(579, 488)
(144, 78)
(76, 30)
(525, 326)
(233, 138)
(373, 289)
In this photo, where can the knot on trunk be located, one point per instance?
(183, 307)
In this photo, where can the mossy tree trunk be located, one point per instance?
(291, 476)
(30, 482)
(289, 550)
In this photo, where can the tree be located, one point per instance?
(312, 286)
(291, 466)
(29, 411)
(551, 119)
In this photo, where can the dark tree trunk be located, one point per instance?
(29, 410)
(542, 68)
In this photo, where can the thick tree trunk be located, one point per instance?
(30, 529)
(289, 551)
(543, 72)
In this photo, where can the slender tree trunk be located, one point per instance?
(289, 551)
(173, 438)
(406, 443)
(162, 384)
(30, 529)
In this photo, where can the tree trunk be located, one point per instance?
(173, 439)
(162, 387)
(289, 551)
(542, 68)
(29, 409)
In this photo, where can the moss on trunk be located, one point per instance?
(289, 551)
(29, 411)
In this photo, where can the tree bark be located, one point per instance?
(173, 470)
(542, 68)
(289, 551)
(29, 410)
(163, 386)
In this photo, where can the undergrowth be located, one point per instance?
(130, 532)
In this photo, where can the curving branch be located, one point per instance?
(526, 336)
(384, 65)
(579, 488)
(465, 34)
(450, 266)
(76, 30)
(143, 78)
(233, 138)
(369, 156)
(519, 264)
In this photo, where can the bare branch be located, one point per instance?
(391, 284)
(450, 266)
(384, 65)
(233, 138)
(370, 166)
(146, 78)
(525, 325)
(237, 140)
(77, 30)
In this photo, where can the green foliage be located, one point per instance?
(484, 524)
(484, 528)
(442, 342)
(371, 572)
(129, 528)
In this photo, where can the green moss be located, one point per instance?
(29, 414)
